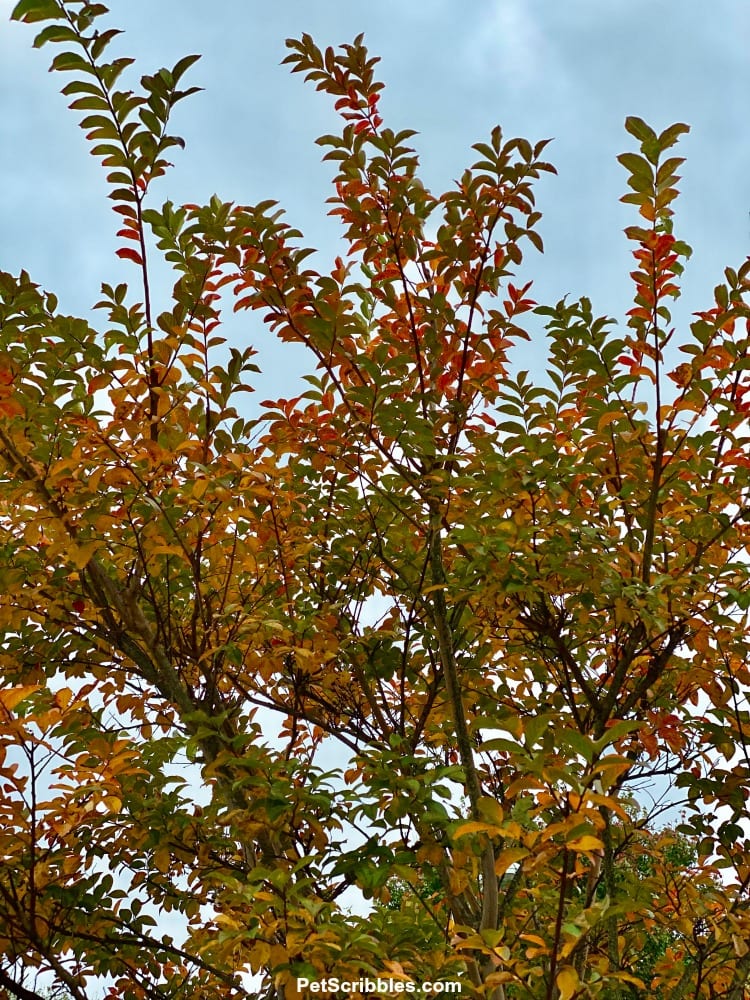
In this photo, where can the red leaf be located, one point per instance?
(127, 253)
(9, 408)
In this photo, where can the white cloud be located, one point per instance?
(508, 41)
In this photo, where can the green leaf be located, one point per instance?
(182, 65)
(69, 61)
(638, 128)
(100, 122)
(637, 165)
(30, 11)
(616, 732)
(101, 41)
(671, 134)
(55, 33)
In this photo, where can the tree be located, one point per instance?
(511, 603)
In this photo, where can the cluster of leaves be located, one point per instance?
(511, 603)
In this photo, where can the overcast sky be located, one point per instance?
(570, 71)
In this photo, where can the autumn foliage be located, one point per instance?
(511, 608)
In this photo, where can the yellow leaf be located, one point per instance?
(567, 982)
(491, 811)
(509, 857)
(260, 953)
(32, 533)
(739, 945)
(607, 419)
(534, 939)
(81, 555)
(223, 920)
(63, 697)
(585, 843)
(470, 826)
(13, 696)
(162, 859)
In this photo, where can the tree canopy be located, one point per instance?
(513, 604)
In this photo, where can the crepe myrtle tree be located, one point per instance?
(560, 567)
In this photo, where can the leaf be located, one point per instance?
(199, 487)
(54, 33)
(128, 253)
(473, 826)
(671, 134)
(82, 554)
(11, 698)
(616, 731)
(585, 844)
(567, 982)
(30, 11)
(740, 947)
(162, 860)
(638, 166)
(638, 128)
(69, 62)
(491, 811)
(182, 65)
(509, 857)
(100, 381)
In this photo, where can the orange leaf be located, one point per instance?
(127, 253)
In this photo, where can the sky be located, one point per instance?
(567, 71)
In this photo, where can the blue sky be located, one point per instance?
(571, 71)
